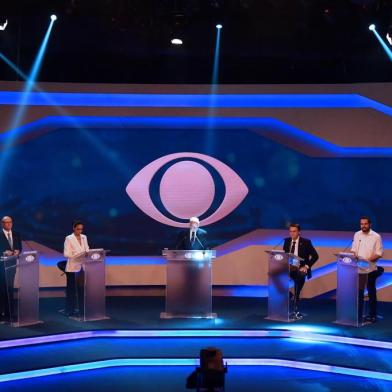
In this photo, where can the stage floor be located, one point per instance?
(135, 350)
(166, 379)
(233, 313)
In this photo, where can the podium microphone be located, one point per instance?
(199, 241)
(349, 244)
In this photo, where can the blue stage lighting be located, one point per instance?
(53, 17)
(22, 104)
(387, 50)
(210, 139)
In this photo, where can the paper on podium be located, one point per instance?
(74, 264)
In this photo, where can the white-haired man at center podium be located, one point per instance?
(193, 238)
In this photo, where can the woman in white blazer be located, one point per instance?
(75, 244)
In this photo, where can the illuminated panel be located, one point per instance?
(194, 362)
(300, 332)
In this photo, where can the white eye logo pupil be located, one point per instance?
(95, 256)
(30, 258)
(193, 182)
(187, 189)
(278, 257)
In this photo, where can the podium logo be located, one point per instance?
(187, 188)
(95, 256)
(30, 258)
(347, 260)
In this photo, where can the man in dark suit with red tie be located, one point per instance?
(303, 248)
(10, 245)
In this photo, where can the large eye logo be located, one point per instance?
(187, 188)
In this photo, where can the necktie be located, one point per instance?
(10, 240)
(292, 249)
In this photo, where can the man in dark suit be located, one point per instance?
(303, 248)
(193, 238)
(10, 245)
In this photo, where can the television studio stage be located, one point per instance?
(153, 302)
(131, 344)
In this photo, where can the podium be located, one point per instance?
(22, 281)
(280, 264)
(92, 306)
(351, 278)
(188, 284)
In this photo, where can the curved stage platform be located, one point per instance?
(137, 348)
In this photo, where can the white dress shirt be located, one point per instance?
(366, 246)
(6, 233)
(72, 249)
(192, 232)
(296, 246)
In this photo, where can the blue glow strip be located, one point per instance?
(246, 291)
(269, 127)
(331, 267)
(195, 100)
(308, 366)
(384, 281)
(111, 260)
(151, 260)
(324, 270)
(194, 362)
(157, 260)
(208, 333)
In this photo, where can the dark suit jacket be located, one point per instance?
(4, 244)
(184, 243)
(305, 250)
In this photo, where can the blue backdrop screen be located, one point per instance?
(70, 174)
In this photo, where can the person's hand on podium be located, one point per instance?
(304, 269)
(8, 253)
(16, 252)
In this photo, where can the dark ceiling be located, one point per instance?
(263, 41)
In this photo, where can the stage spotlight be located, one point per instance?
(219, 26)
(389, 35)
(3, 25)
(53, 17)
(384, 45)
(176, 41)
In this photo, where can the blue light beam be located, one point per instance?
(387, 50)
(215, 72)
(13, 66)
(209, 139)
(22, 104)
(49, 100)
(31, 79)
